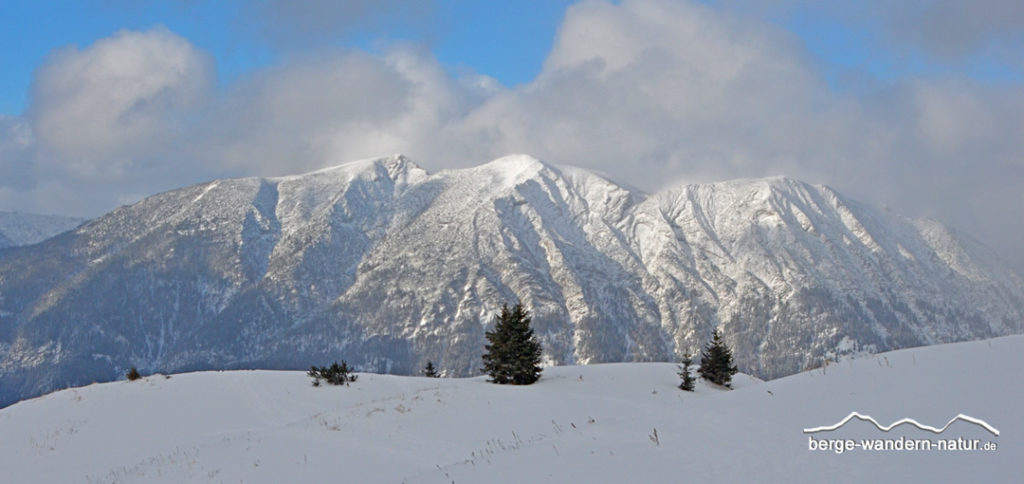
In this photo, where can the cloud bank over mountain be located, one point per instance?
(650, 92)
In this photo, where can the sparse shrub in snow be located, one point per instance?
(716, 364)
(684, 373)
(513, 355)
(429, 371)
(335, 374)
(133, 374)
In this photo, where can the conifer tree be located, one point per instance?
(684, 372)
(716, 364)
(429, 371)
(513, 355)
(335, 374)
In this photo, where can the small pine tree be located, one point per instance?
(716, 364)
(335, 374)
(684, 373)
(429, 371)
(513, 355)
(133, 374)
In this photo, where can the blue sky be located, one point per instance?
(505, 40)
(917, 105)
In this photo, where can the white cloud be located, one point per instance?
(96, 111)
(290, 117)
(656, 90)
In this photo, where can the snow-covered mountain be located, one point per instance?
(18, 228)
(597, 423)
(387, 266)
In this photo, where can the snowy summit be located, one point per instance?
(388, 266)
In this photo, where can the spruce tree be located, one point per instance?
(684, 372)
(513, 355)
(335, 374)
(716, 364)
(429, 371)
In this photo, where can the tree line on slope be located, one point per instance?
(513, 356)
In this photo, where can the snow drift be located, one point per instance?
(598, 423)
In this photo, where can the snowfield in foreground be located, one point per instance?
(600, 423)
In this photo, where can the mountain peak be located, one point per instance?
(401, 167)
(377, 261)
(774, 183)
(517, 161)
(515, 164)
(395, 164)
(511, 170)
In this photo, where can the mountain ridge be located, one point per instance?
(18, 228)
(386, 265)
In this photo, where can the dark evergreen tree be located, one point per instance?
(430, 372)
(716, 364)
(335, 374)
(684, 373)
(513, 355)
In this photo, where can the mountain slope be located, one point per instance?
(387, 266)
(598, 423)
(25, 228)
(792, 266)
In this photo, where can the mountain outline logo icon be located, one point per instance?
(867, 418)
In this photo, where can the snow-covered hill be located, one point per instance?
(388, 266)
(25, 228)
(598, 423)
